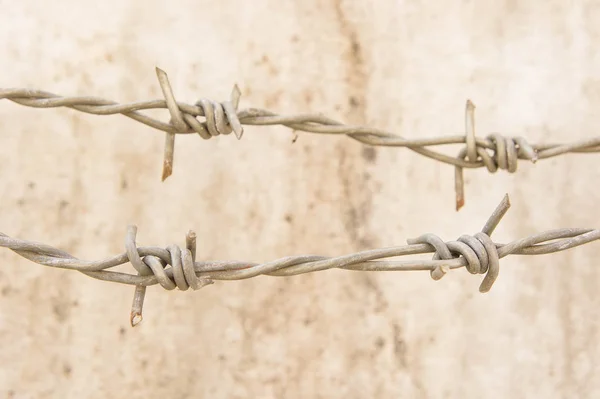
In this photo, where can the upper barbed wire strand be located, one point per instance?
(224, 117)
(178, 268)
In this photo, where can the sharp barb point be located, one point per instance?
(160, 72)
(136, 319)
(239, 134)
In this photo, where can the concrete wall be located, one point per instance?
(75, 181)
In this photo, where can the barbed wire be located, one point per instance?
(222, 118)
(173, 267)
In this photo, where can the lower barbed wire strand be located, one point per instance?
(174, 267)
(222, 270)
(370, 260)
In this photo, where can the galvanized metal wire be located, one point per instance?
(173, 267)
(221, 118)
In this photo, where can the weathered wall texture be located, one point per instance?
(75, 181)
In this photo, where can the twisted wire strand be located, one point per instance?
(176, 268)
(221, 118)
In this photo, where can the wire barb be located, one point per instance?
(479, 250)
(176, 120)
(182, 269)
(506, 153)
(173, 267)
(493, 152)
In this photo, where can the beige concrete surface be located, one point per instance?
(75, 181)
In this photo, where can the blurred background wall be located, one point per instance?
(75, 181)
